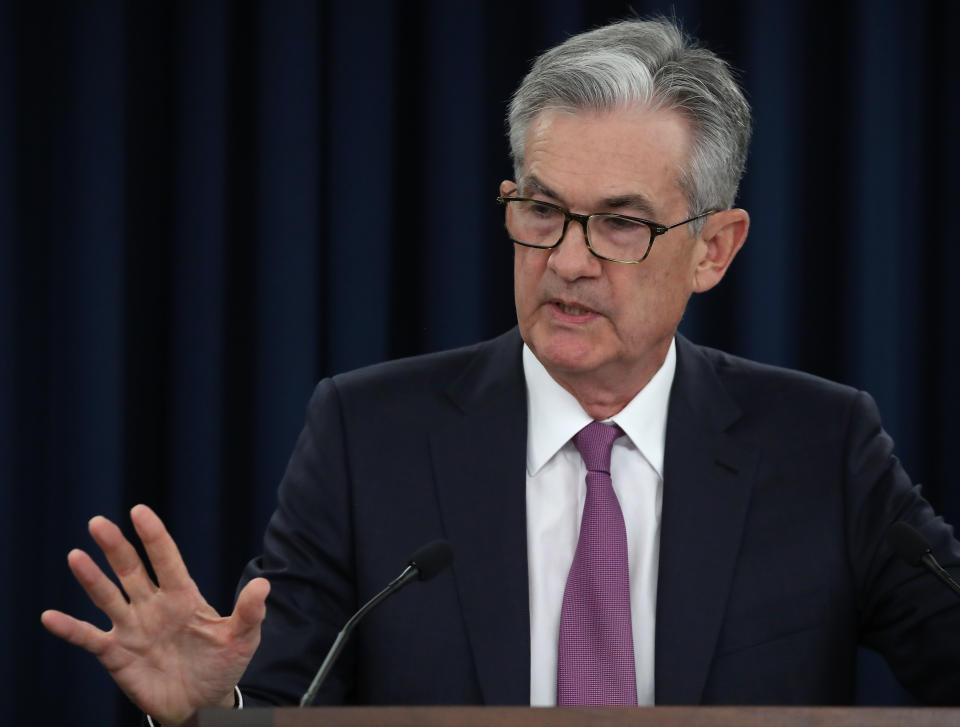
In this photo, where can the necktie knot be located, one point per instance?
(595, 442)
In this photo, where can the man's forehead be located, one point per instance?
(628, 158)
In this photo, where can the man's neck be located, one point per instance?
(603, 396)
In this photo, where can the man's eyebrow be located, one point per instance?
(637, 203)
(531, 184)
(633, 201)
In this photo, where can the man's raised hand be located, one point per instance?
(168, 650)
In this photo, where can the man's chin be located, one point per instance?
(566, 357)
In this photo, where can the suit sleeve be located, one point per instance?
(308, 559)
(905, 612)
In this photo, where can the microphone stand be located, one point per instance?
(410, 573)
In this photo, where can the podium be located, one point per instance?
(577, 717)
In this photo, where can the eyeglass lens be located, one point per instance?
(540, 225)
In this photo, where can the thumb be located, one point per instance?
(251, 606)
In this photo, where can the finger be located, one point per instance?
(79, 633)
(102, 591)
(251, 607)
(123, 558)
(162, 551)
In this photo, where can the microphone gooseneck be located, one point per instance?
(908, 543)
(424, 564)
(911, 546)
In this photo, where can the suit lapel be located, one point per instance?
(708, 477)
(479, 456)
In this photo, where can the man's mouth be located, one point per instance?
(572, 309)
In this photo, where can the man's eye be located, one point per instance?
(618, 223)
(543, 210)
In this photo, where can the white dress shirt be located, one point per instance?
(556, 490)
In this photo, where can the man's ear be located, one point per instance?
(723, 235)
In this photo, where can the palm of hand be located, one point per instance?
(176, 652)
(168, 650)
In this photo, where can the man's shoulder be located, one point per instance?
(757, 376)
(761, 392)
(478, 365)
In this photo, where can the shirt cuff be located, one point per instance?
(237, 704)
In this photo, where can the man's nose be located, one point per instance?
(572, 259)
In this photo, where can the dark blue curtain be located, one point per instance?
(207, 205)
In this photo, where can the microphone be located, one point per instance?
(910, 545)
(423, 565)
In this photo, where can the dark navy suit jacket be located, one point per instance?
(778, 489)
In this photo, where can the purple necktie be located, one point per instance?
(595, 664)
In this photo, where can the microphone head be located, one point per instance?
(907, 542)
(431, 559)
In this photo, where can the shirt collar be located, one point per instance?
(554, 415)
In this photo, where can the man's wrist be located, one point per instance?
(234, 700)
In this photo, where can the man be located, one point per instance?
(636, 520)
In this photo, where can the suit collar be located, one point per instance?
(478, 455)
(708, 476)
(699, 390)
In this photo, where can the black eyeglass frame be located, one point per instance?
(656, 229)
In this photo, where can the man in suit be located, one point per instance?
(636, 519)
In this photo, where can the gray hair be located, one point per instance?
(650, 63)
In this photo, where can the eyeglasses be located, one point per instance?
(609, 236)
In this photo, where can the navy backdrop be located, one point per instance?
(206, 206)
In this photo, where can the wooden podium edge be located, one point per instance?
(572, 716)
